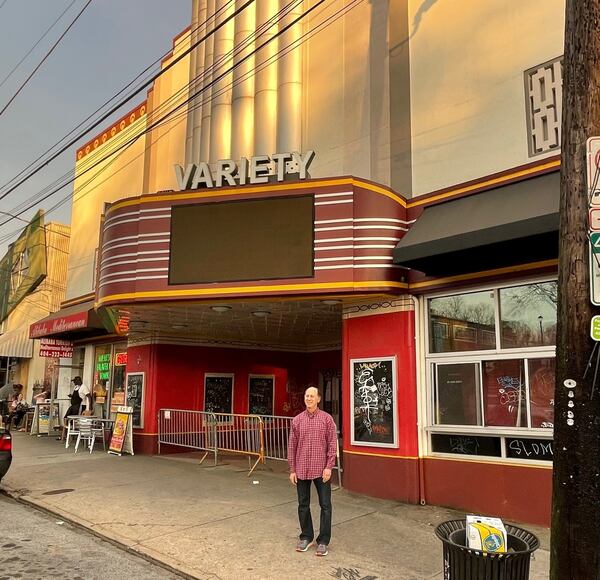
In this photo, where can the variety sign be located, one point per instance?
(254, 170)
(55, 348)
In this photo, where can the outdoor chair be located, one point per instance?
(72, 431)
(98, 429)
(86, 433)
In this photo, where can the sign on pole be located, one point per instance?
(595, 328)
(593, 170)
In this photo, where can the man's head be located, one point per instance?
(17, 388)
(77, 381)
(312, 398)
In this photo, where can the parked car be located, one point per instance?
(5, 451)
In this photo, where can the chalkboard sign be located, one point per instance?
(135, 398)
(218, 393)
(374, 402)
(466, 444)
(524, 448)
(260, 394)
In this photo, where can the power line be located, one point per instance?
(127, 99)
(3, 3)
(37, 43)
(48, 151)
(24, 83)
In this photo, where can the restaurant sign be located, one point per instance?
(58, 325)
(255, 170)
(56, 348)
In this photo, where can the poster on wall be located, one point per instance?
(135, 398)
(373, 402)
(260, 394)
(218, 393)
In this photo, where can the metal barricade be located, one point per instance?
(242, 434)
(256, 436)
(190, 429)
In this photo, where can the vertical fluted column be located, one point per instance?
(220, 129)
(199, 81)
(242, 114)
(207, 77)
(189, 132)
(289, 93)
(265, 90)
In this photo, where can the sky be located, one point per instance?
(108, 46)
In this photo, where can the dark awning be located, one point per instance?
(73, 322)
(514, 224)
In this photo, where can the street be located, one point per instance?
(35, 546)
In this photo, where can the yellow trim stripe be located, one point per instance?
(485, 273)
(490, 462)
(379, 455)
(204, 194)
(251, 289)
(482, 184)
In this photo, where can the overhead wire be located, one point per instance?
(165, 120)
(116, 107)
(105, 104)
(12, 71)
(46, 56)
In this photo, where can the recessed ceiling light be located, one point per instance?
(331, 302)
(261, 313)
(220, 308)
(178, 326)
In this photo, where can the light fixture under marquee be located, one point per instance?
(261, 313)
(220, 308)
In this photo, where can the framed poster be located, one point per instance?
(373, 402)
(121, 440)
(261, 394)
(135, 398)
(218, 392)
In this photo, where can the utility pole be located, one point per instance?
(576, 481)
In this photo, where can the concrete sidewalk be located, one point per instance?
(215, 522)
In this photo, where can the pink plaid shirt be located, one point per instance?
(312, 444)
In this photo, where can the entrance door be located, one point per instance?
(330, 386)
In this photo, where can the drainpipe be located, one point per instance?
(421, 386)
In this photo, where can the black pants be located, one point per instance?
(304, 515)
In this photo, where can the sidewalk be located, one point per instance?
(215, 522)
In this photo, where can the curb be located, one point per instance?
(132, 550)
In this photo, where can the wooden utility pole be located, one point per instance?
(575, 552)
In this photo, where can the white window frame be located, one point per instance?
(479, 356)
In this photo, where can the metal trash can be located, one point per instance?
(462, 563)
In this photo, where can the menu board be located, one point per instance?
(121, 440)
(260, 394)
(373, 400)
(135, 398)
(218, 393)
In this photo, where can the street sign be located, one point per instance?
(594, 219)
(595, 242)
(595, 328)
(593, 170)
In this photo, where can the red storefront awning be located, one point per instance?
(79, 321)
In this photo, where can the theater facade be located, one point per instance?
(348, 208)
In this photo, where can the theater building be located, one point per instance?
(368, 203)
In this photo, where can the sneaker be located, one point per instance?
(322, 550)
(303, 545)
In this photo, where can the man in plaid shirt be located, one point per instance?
(311, 457)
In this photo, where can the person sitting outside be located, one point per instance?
(18, 407)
